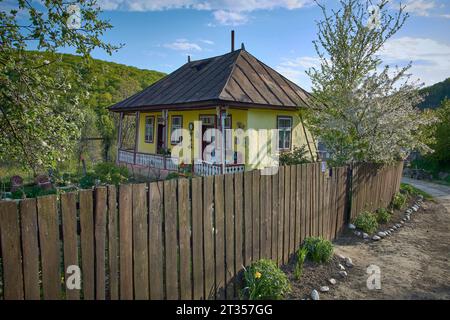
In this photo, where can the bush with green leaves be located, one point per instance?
(104, 173)
(298, 155)
(367, 222)
(383, 215)
(318, 249)
(263, 280)
(301, 256)
(31, 192)
(399, 201)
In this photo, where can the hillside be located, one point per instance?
(435, 94)
(99, 84)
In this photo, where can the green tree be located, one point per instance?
(363, 111)
(40, 118)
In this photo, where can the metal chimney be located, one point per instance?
(232, 40)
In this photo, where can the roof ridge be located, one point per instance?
(231, 72)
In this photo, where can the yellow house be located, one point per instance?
(240, 97)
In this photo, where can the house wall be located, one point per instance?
(267, 119)
(246, 119)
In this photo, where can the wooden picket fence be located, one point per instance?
(373, 186)
(174, 239)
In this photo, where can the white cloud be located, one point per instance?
(430, 58)
(420, 7)
(447, 16)
(182, 45)
(210, 42)
(229, 18)
(295, 69)
(226, 12)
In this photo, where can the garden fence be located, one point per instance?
(177, 239)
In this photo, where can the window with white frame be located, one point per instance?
(177, 123)
(284, 126)
(149, 128)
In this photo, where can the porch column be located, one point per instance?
(119, 137)
(136, 136)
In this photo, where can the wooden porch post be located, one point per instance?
(119, 138)
(136, 136)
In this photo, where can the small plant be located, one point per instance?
(301, 256)
(319, 250)
(265, 281)
(413, 191)
(383, 215)
(367, 222)
(399, 201)
(296, 156)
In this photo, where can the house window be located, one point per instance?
(177, 123)
(149, 128)
(284, 126)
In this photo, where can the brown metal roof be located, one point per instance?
(234, 79)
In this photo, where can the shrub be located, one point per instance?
(399, 201)
(383, 215)
(319, 250)
(109, 173)
(31, 192)
(367, 222)
(296, 156)
(413, 191)
(264, 280)
(301, 256)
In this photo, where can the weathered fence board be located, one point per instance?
(70, 239)
(179, 239)
(30, 253)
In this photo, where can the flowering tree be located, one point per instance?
(40, 115)
(363, 111)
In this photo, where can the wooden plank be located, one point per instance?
(302, 204)
(280, 214)
(262, 216)
(268, 211)
(113, 244)
(140, 242)
(30, 248)
(256, 215)
(292, 209)
(156, 240)
(126, 242)
(197, 239)
(185, 239)
(248, 221)
(298, 210)
(238, 227)
(219, 228)
(320, 198)
(11, 253)
(171, 242)
(287, 202)
(208, 234)
(230, 271)
(87, 244)
(50, 248)
(100, 241)
(70, 240)
(275, 208)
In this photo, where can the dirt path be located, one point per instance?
(414, 262)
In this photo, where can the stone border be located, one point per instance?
(386, 233)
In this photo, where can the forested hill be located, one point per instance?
(102, 84)
(111, 82)
(435, 94)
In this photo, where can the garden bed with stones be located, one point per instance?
(323, 278)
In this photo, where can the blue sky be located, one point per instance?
(159, 34)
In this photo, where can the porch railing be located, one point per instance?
(201, 168)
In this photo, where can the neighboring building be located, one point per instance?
(234, 90)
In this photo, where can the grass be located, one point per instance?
(413, 191)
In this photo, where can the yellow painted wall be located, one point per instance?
(252, 118)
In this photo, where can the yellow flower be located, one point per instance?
(258, 275)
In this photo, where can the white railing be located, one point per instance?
(126, 156)
(172, 163)
(209, 169)
(235, 168)
(150, 160)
